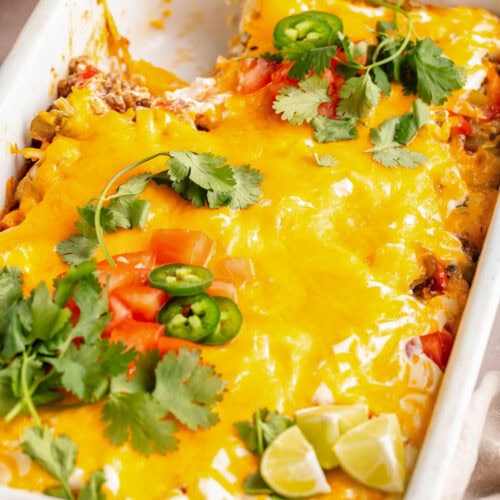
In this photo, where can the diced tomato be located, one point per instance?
(437, 346)
(143, 301)
(461, 125)
(181, 246)
(439, 280)
(119, 312)
(135, 260)
(280, 79)
(85, 76)
(116, 277)
(166, 344)
(254, 74)
(493, 93)
(225, 288)
(141, 335)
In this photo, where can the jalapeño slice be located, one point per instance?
(190, 318)
(181, 279)
(319, 28)
(229, 323)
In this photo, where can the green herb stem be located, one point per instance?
(397, 10)
(103, 198)
(26, 400)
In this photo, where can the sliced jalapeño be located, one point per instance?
(181, 280)
(190, 318)
(229, 323)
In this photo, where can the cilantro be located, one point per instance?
(92, 488)
(263, 429)
(432, 75)
(188, 389)
(396, 131)
(328, 129)
(123, 211)
(325, 160)
(206, 179)
(359, 94)
(138, 417)
(56, 455)
(299, 105)
(308, 58)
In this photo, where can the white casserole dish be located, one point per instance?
(58, 31)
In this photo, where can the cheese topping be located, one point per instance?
(328, 311)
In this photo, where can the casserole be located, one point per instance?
(490, 292)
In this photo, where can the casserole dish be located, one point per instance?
(469, 348)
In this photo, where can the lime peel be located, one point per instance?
(290, 467)
(373, 453)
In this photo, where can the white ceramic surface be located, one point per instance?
(59, 30)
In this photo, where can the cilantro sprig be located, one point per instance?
(203, 179)
(258, 434)
(46, 354)
(391, 135)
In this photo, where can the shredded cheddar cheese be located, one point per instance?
(328, 307)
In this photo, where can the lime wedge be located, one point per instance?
(323, 425)
(290, 467)
(373, 453)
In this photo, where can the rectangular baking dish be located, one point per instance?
(195, 33)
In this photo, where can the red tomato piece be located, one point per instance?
(462, 127)
(254, 74)
(279, 78)
(437, 346)
(166, 344)
(135, 260)
(143, 301)
(439, 280)
(225, 288)
(181, 246)
(116, 277)
(85, 76)
(119, 312)
(141, 335)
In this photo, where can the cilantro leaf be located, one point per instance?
(246, 190)
(11, 291)
(399, 157)
(263, 429)
(140, 418)
(299, 105)
(325, 160)
(66, 284)
(188, 389)
(47, 318)
(387, 150)
(92, 488)
(359, 95)
(76, 249)
(206, 179)
(56, 455)
(410, 123)
(123, 211)
(328, 129)
(86, 370)
(308, 58)
(433, 75)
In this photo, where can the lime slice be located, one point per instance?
(290, 467)
(373, 453)
(323, 425)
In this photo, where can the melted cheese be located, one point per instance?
(334, 250)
